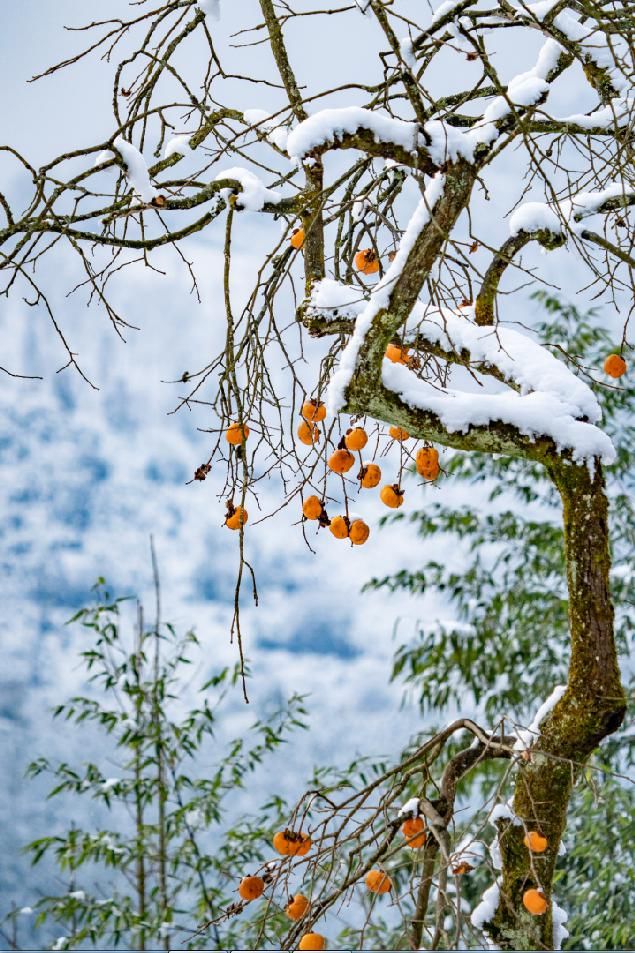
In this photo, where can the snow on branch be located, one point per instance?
(527, 736)
(518, 357)
(263, 122)
(536, 415)
(594, 46)
(380, 297)
(540, 216)
(136, 169)
(485, 910)
(211, 8)
(254, 194)
(441, 141)
(330, 126)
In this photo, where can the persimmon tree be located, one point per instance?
(393, 251)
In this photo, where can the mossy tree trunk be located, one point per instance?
(591, 708)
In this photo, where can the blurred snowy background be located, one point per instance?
(86, 476)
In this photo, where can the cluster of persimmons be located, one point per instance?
(343, 459)
(290, 843)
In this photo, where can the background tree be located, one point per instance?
(175, 835)
(434, 310)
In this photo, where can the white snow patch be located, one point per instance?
(541, 9)
(254, 193)
(410, 807)
(331, 125)
(560, 932)
(109, 784)
(519, 358)
(528, 735)
(469, 851)
(136, 169)
(211, 8)
(594, 45)
(263, 121)
(486, 909)
(532, 216)
(503, 812)
(446, 7)
(177, 144)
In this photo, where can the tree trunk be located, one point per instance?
(592, 707)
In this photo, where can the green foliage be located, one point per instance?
(169, 855)
(598, 870)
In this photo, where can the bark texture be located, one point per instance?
(592, 707)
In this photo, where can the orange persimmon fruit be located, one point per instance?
(288, 843)
(314, 410)
(297, 238)
(535, 842)
(308, 434)
(391, 496)
(367, 261)
(358, 533)
(237, 518)
(356, 438)
(370, 475)
(312, 941)
(398, 354)
(535, 902)
(378, 881)
(339, 527)
(341, 461)
(615, 365)
(414, 831)
(250, 888)
(297, 907)
(312, 508)
(236, 434)
(398, 433)
(427, 463)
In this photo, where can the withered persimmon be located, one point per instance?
(314, 410)
(367, 261)
(297, 907)
(427, 463)
(339, 527)
(356, 439)
(312, 941)
(250, 888)
(358, 533)
(308, 434)
(391, 496)
(236, 434)
(398, 354)
(535, 901)
(236, 518)
(398, 433)
(297, 238)
(312, 508)
(341, 461)
(535, 842)
(378, 881)
(414, 831)
(615, 365)
(370, 475)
